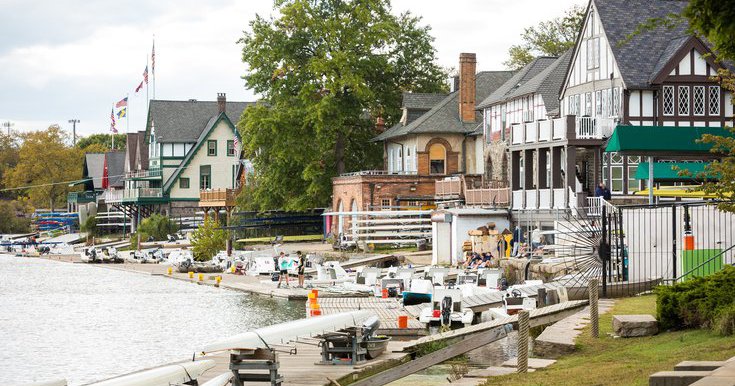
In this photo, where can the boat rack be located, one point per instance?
(259, 365)
(343, 348)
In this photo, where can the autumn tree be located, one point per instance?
(548, 38)
(104, 141)
(8, 159)
(45, 167)
(326, 69)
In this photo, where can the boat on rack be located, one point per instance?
(176, 374)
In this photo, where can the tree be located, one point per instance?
(208, 240)
(326, 69)
(550, 38)
(8, 159)
(715, 20)
(103, 140)
(45, 167)
(12, 217)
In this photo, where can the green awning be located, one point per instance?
(662, 140)
(663, 171)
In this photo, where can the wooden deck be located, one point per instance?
(484, 302)
(388, 310)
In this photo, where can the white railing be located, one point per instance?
(559, 128)
(143, 173)
(516, 132)
(594, 128)
(379, 173)
(531, 131)
(572, 198)
(115, 196)
(531, 202)
(595, 204)
(544, 130)
(112, 196)
(559, 198)
(544, 198)
(517, 199)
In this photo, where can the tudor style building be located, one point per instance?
(188, 147)
(659, 77)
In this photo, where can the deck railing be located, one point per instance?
(448, 187)
(143, 174)
(114, 196)
(378, 173)
(218, 197)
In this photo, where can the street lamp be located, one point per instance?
(74, 130)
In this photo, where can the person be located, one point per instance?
(536, 237)
(301, 268)
(283, 264)
(603, 191)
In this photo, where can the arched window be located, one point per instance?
(437, 159)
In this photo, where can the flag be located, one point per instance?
(123, 102)
(140, 86)
(112, 123)
(153, 58)
(145, 75)
(236, 145)
(122, 113)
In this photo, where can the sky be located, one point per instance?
(74, 59)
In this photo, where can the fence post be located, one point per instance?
(673, 241)
(602, 250)
(523, 341)
(594, 317)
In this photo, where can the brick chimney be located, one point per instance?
(221, 102)
(467, 65)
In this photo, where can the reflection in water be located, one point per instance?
(87, 323)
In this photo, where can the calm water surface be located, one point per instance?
(85, 323)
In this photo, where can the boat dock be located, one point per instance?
(387, 309)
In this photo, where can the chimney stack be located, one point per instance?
(467, 66)
(221, 102)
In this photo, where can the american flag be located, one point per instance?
(112, 123)
(236, 145)
(153, 58)
(145, 75)
(123, 102)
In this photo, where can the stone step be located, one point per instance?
(676, 378)
(715, 381)
(533, 363)
(699, 365)
(492, 371)
(628, 326)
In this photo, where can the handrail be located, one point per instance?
(701, 265)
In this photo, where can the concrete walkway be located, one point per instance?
(558, 339)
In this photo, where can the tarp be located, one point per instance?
(662, 140)
(670, 170)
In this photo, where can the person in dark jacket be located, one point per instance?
(603, 191)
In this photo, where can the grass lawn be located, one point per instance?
(609, 361)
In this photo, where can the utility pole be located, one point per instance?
(8, 125)
(74, 130)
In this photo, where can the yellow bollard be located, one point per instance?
(191, 275)
(201, 277)
(217, 280)
(232, 269)
(170, 271)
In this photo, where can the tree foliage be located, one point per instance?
(208, 240)
(9, 155)
(326, 69)
(158, 226)
(550, 38)
(45, 165)
(12, 217)
(104, 141)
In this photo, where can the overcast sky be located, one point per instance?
(75, 58)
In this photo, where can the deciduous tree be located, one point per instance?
(8, 159)
(207, 240)
(325, 70)
(551, 38)
(45, 165)
(103, 140)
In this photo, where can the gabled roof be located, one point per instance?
(211, 124)
(94, 167)
(521, 77)
(184, 121)
(444, 116)
(115, 168)
(141, 156)
(639, 57)
(421, 101)
(547, 83)
(131, 148)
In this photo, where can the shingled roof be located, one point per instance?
(641, 57)
(444, 116)
(421, 101)
(547, 83)
(115, 168)
(521, 77)
(184, 121)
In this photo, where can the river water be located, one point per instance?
(85, 323)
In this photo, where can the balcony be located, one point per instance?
(565, 128)
(144, 174)
(218, 198)
(447, 188)
(488, 196)
(136, 195)
(81, 197)
(494, 193)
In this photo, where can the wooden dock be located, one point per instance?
(361, 262)
(388, 310)
(479, 303)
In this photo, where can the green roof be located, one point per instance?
(670, 170)
(662, 140)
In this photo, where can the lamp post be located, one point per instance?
(74, 130)
(8, 125)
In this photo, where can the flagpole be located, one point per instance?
(127, 114)
(112, 134)
(153, 65)
(147, 101)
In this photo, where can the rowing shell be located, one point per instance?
(162, 376)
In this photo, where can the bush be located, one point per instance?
(90, 226)
(208, 240)
(157, 226)
(134, 239)
(707, 302)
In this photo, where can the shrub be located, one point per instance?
(157, 226)
(90, 226)
(134, 239)
(699, 302)
(207, 240)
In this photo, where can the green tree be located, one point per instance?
(550, 38)
(9, 155)
(326, 69)
(208, 240)
(104, 140)
(715, 20)
(45, 167)
(158, 226)
(12, 217)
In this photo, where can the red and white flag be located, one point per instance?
(145, 75)
(140, 86)
(112, 121)
(153, 58)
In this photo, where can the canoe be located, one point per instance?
(286, 332)
(376, 346)
(162, 376)
(61, 382)
(220, 380)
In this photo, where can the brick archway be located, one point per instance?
(442, 141)
(451, 158)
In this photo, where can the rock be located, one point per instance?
(628, 326)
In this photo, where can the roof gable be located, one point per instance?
(547, 83)
(184, 121)
(519, 78)
(680, 50)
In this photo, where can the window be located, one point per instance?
(588, 104)
(522, 170)
(205, 177)
(230, 148)
(616, 108)
(698, 105)
(714, 100)
(616, 173)
(409, 160)
(633, 183)
(593, 53)
(212, 147)
(683, 100)
(437, 159)
(184, 183)
(668, 100)
(598, 103)
(385, 203)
